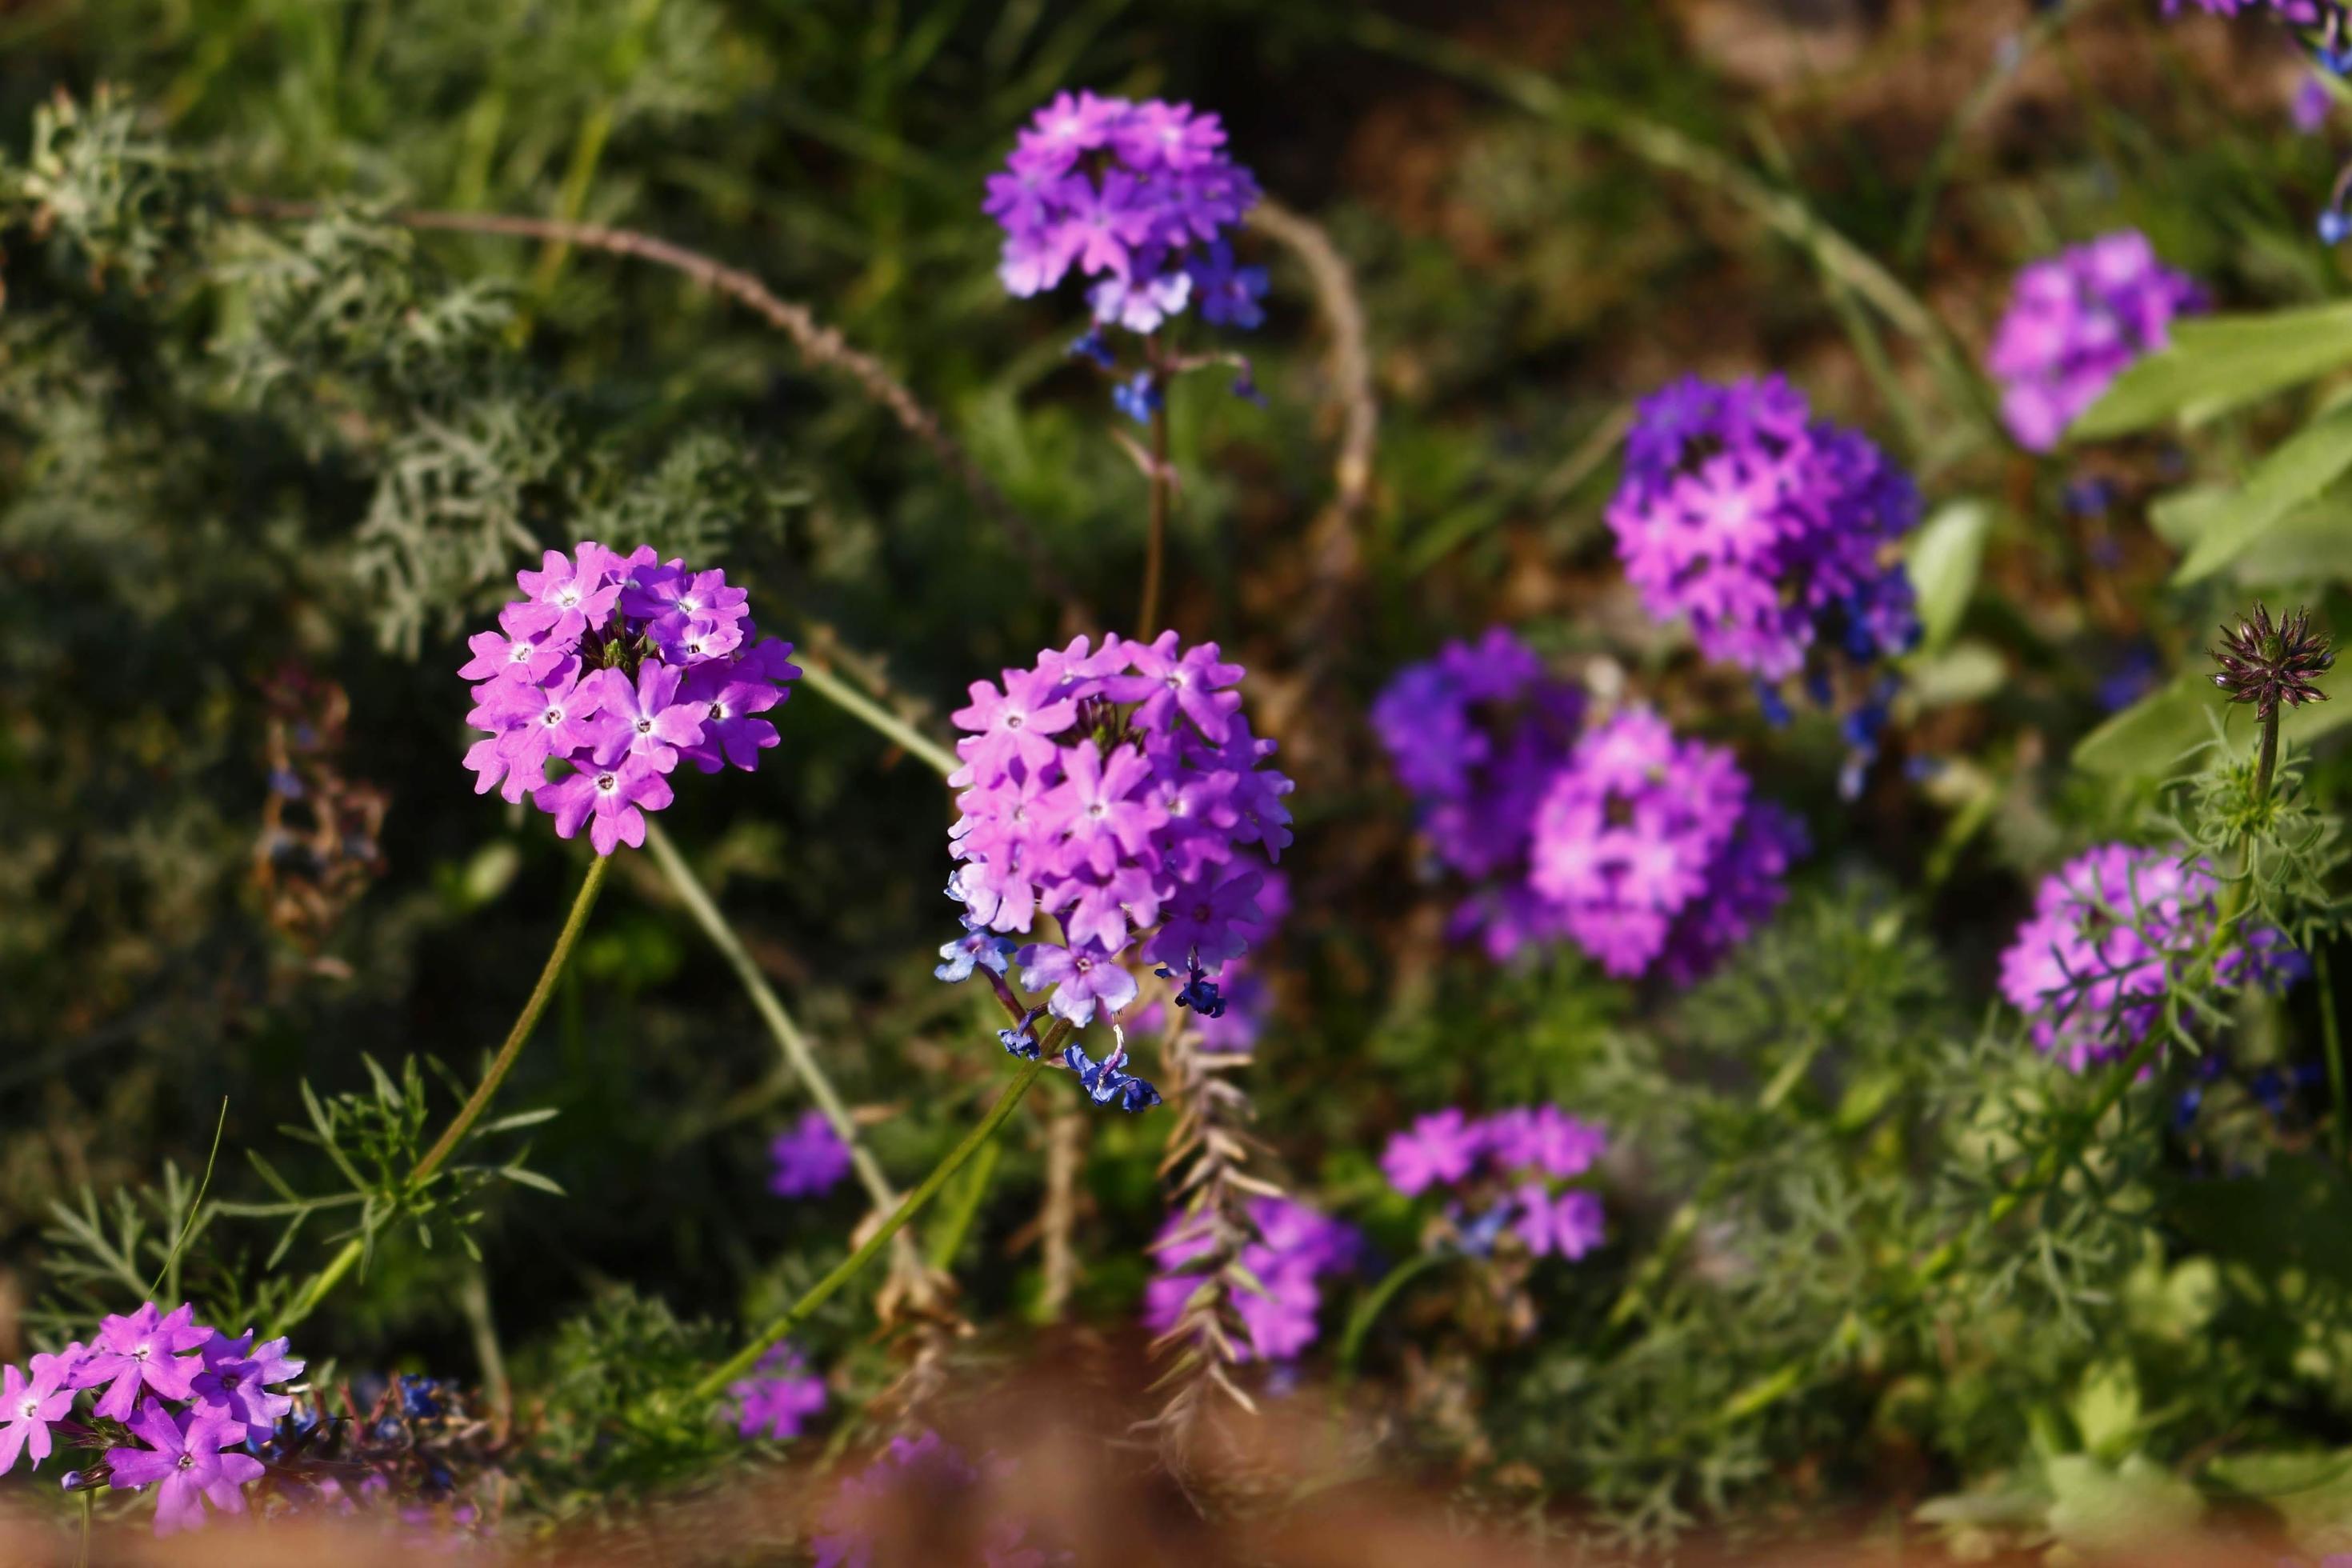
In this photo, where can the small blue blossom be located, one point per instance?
(1105, 1085)
(978, 948)
(1021, 1040)
(1774, 705)
(1138, 396)
(1092, 347)
(2334, 227)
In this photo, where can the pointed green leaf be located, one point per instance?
(1944, 560)
(2305, 464)
(2218, 363)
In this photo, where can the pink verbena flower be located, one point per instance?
(185, 1462)
(1648, 846)
(779, 1397)
(2075, 323)
(235, 1378)
(1768, 530)
(1121, 792)
(618, 667)
(28, 1407)
(1138, 196)
(2111, 932)
(1476, 735)
(144, 1350)
(1438, 1149)
(1509, 1173)
(1295, 1246)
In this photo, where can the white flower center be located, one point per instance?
(1097, 811)
(552, 717)
(645, 726)
(568, 596)
(520, 653)
(606, 783)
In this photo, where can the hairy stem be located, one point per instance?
(503, 1063)
(798, 1057)
(306, 1299)
(2269, 763)
(824, 1291)
(864, 709)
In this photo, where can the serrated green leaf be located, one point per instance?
(1943, 561)
(2218, 363)
(2300, 468)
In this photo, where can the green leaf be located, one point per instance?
(2106, 1409)
(2312, 543)
(2150, 738)
(2218, 363)
(2305, 464)
(1943, 562)
(2311, 1489)
(2138, 1502)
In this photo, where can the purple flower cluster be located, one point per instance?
(1138, 197)
(2110, 935)
(1475, 735)
(1121, 792)
(779, 1398)
(1648, 848)
(618, 665)
(2075, 321)
(809, 1159)
(1295, 1246)
(1513, 1168)
(1765, 527)
(192, 1397)
(1231, 1025)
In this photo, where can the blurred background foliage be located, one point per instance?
(259, 474)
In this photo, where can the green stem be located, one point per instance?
(503, 1063)
(824, 1291)
(860, 706)
(327, 1278)
(798, 1057)
(2269, 764)
(955, 1224)
(1368, 1311)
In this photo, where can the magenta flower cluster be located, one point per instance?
(1121, 792)
(808, 1159)
(1766, 528)
(2075, 321)
(617, 667)
(1233, 1028)
(190, 1395)
(1512, 1167)
(1650, 850)
(778, 1399)
(1137, 197)
(2112, 932)
(1295, 1248)
(1476, 735)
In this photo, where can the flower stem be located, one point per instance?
(1368, 1311)
(824, 1291)
(1155, 544)
(794, 1044)
(860, 706)
(307, 1300)
(2269, 763)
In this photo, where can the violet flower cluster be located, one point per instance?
(2075, 322)
(1233, 1024)
(1768, 530)
(619, 665)
(1649, 849)
(1121, 792)
(778, 1399)
(2112, 932)
(1510, 1172)
(1476, 735)
(809, 1159)
(1295, 1248)
(1137, 197)
(190, 1396)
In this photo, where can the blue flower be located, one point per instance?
(1021, 1040)
(1105, 1085)
(978, 948)
(1092, 347)
(1138, 397)
(2334, 227)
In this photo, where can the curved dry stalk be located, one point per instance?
(819, 344)
(1351, 362)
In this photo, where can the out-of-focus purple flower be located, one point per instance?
(1438, 1149)
(1544, 1138)
(1139, 197)
(1765, 527)
(779, 1397)
(1121, 791)
(1295, 1246)
(1570, 1224)
(28, 1407)
(1649, 847)
(2075, 322)
(2110, 935)
(1476, 735)
(145, 1349)
(186, 1453)
(2311, 105)
(616, 667)
(914, 1478)
(809, 1159)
